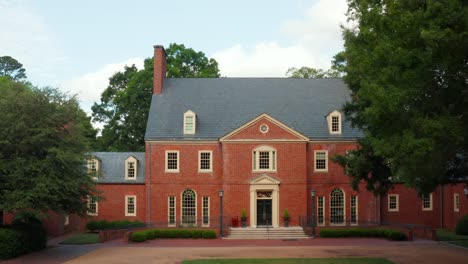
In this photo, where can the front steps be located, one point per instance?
(294, 232)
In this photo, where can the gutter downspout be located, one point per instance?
(148, 160)
(441, 206)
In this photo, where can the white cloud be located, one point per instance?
(315, 38)
(89, 86)
(25, 36)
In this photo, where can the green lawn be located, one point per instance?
(447, 235)
(85, 238)
(291, 261)
(462, 243)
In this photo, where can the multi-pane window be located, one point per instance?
(335, 124)
(206, 211)
(189, 207)
(354, 210)
(92, 206)
(427, 202)
(456, 202)
(66, 220)
(171, 211)
(172, 161)
(189, 122)
(320, 210)
(393, 203)
(321, 160)
(93, 167)
(337, 215)
(130, 205)
(264, 159)
(131, 170)
(205, 161)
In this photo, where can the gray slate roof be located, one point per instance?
(112, 166)
(224, 104)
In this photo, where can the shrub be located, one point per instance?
(104, 225)
(462, 226)
(139, 236)
(10, 243)
(363, 232)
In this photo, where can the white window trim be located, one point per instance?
(203, 224)
(456, 206)
(397, 202)
(326, 161)
(329, 121)
(256, 159)
(182, 208)
(344, 208)
(324, 211)
(88, 167)
(169, 211)
(178, 161)
(66, 220)
(190, 113)
(199, 161)
(97, 207)
(430, 203)
(127, 161)
(357, 210)
(126, 205)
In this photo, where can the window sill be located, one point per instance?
(171, 171)
(260, 171)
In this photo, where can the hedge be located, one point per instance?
(363, 232)
(140, 236)
(21, 238)
(104, 224)
(462, 226)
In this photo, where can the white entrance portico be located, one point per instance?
(264, 201)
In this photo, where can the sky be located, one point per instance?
(77, 45)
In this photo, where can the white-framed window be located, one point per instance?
(321, 210)
(66, 220)
(427, 202)
(337, 207)
(189, 207)
(264, 159)
(131, 167)
(354, 210)
(456, 202)
(130, 205)
(93, 207)
(92, 166)
(321, 160)
(172, 161)
(190, 119)
(205, 161)
(334, 122)
(171, 212)
(393, 202)
(206, 211)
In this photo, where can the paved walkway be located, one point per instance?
(174, 251)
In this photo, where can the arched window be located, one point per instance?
(190, 122)
(189, 207)
(337, 210)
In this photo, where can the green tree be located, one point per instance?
(406, 65)
(12, 68)
(126, 101)
(42, 146)
(307, 72)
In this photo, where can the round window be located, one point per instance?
(263, 128)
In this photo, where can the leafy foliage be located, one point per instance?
(126, 101)
(462, 226)
(307, 72)
(140, 236)
(103, 224)
(11, 68)
(42, 146)
(363, 232)
(406, 65)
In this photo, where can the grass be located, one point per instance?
(452, 238)
(81, 239)
(291, 261)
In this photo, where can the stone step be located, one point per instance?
(267, 233)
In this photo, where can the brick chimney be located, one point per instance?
(159, 69)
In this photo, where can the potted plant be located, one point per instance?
(286, 217)
(243, 218)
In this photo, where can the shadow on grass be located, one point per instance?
(82, 239)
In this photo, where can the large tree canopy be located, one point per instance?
(407, 68)
(42, 147)
(125, 103)
(12, 68)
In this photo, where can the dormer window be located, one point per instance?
(131, 168)
(190, 120)
(92, 166)
(334, 122)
